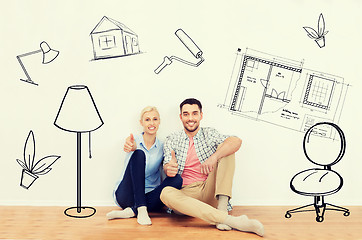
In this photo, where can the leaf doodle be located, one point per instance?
(32, 167)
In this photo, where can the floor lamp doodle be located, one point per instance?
(78, 113)
(48, 56)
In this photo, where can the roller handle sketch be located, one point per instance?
(190, 45)
(166, 61)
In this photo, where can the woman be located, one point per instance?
(140, 186)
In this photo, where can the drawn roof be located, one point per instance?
(107, 24)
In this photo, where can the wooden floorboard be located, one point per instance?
(22, 222)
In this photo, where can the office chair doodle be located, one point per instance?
(322, 181)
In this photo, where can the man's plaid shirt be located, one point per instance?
(206, 142)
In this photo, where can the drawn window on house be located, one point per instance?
(107, 42)
(319, 92)
(134, 42)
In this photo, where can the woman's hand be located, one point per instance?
(130, 144)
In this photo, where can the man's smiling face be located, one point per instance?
(191, 116)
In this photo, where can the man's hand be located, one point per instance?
(130, 144)
(209, 165)
(171, 167)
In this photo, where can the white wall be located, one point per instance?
(121, 87)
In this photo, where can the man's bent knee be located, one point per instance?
(165, 193)
(230, 159)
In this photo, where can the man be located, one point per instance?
(205, 160)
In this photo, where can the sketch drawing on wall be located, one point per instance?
(111, 38)
(32, 168)
(319, 34)
(190, 45)
(48, 56)
(78, 113)
(322, 181)
(280, 91)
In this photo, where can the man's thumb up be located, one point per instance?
(173, 157)
(172, 166)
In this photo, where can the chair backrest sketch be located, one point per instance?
(324, 144)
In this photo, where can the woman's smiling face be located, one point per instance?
(150, 122)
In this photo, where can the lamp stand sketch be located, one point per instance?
(48, 56)
(322, 181)
(79, 114)
(32, 168)
(190, 45)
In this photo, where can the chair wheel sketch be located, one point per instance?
(324, 144)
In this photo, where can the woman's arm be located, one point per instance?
(130, 144)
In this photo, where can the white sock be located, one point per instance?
(243, 223)
(125, 213)
(222, 205)
(142, 216)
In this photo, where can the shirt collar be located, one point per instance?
(197, 136)
(142, 142)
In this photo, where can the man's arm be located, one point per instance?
(228, 147)
(170, 166)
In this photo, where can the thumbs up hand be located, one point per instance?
(130, 144)
(171, 167)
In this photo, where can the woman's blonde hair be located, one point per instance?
(148, 109)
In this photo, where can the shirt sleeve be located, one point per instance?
(215, 137)
(167, 147)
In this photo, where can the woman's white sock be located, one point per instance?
(125, 213)
(142, 216)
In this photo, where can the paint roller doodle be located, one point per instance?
(190, 45)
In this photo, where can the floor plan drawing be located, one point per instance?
(280, 91)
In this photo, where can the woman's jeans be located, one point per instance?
(131, 190)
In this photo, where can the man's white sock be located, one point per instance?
(222, 205)
(243, 223)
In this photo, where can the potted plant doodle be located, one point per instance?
(318, 36)
(32, 168)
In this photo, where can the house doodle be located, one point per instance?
(111, 38)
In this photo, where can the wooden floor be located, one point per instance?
(21, 222)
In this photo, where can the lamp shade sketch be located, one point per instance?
(111, 38)
(32, 168)
(49, 55)
(190, 45)
(78, 114)
(324, 145)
